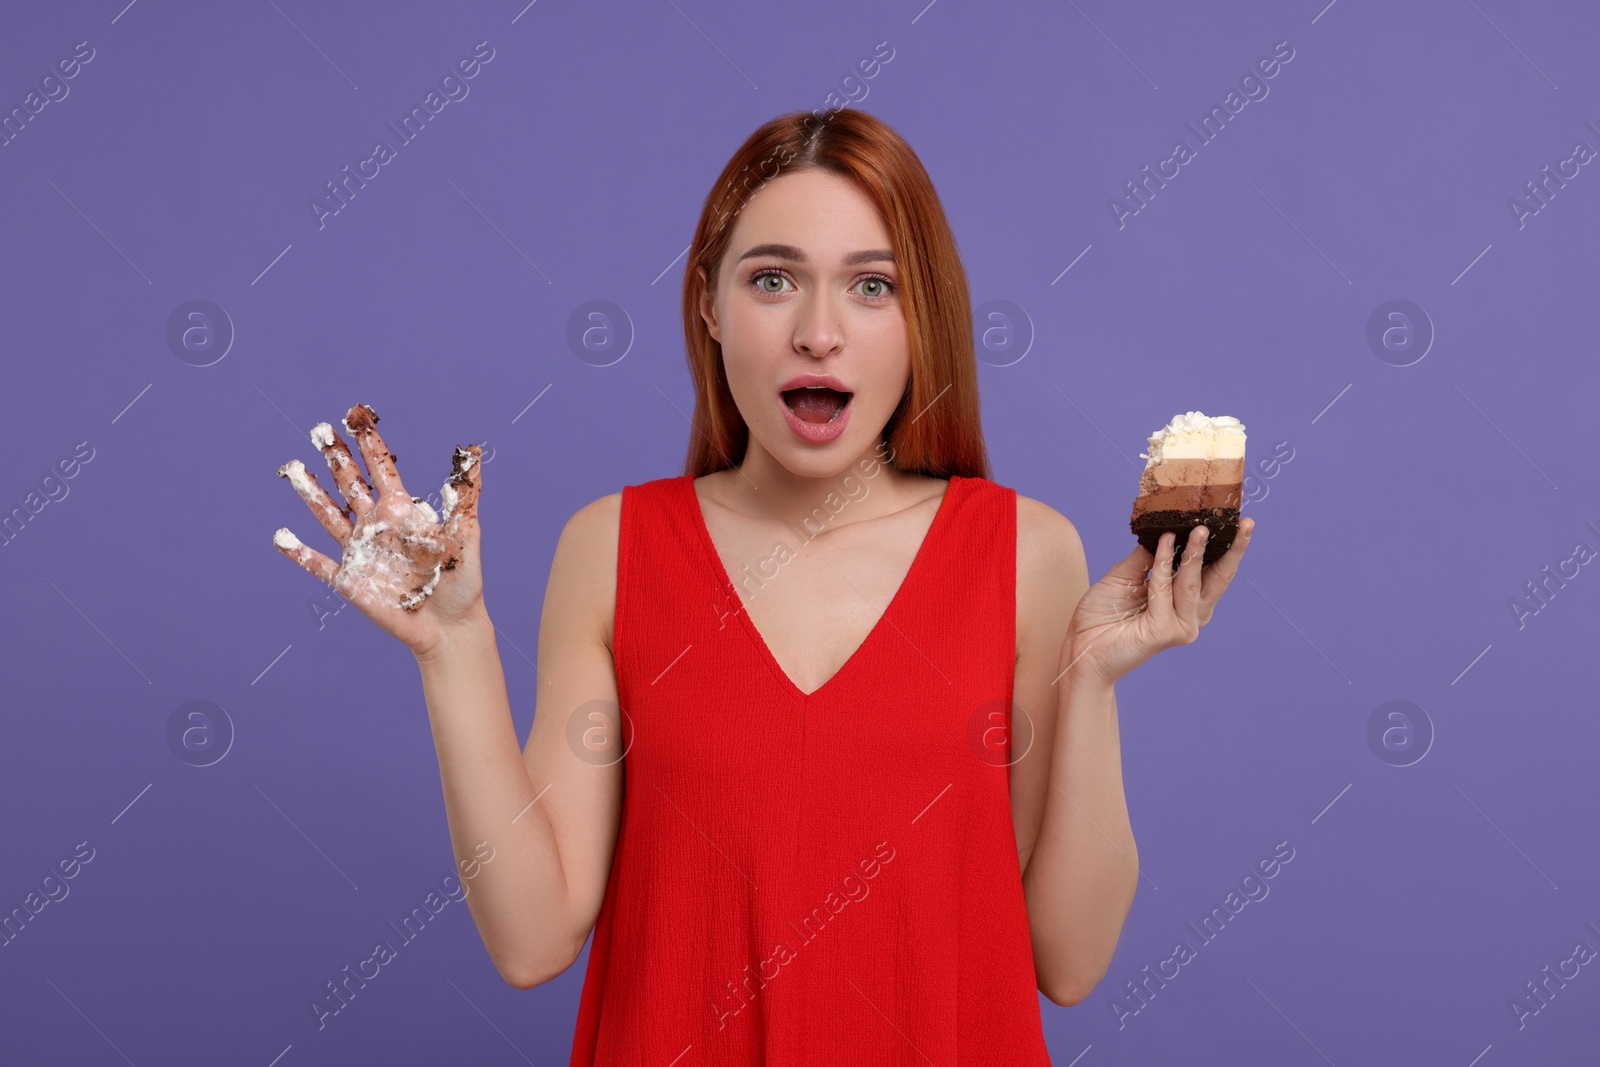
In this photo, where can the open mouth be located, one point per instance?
(816, 403)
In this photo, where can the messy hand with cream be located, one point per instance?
(412, 571)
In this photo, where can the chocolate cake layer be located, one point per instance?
(1223, 522)
(1191, 498)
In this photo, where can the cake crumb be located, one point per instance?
(373, 415)
(421, 594)
(460, 463)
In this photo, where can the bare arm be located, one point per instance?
(550, 813)
(534, 831)
(1080, 877)
(1074, 841)
(1085, 867)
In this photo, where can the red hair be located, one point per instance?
(935, 430)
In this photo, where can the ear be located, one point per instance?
(708, 310)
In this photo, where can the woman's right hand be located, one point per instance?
(413, 572)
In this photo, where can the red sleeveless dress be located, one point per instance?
(813, 879)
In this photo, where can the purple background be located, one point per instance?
(1420, 499)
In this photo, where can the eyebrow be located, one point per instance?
(782, 251)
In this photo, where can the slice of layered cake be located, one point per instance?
(1193, 475)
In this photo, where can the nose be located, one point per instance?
(817, 330)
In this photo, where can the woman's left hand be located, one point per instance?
(1127, 617)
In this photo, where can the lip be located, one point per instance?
(800, 381)
(817, 433)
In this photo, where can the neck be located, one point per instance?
(762, 487)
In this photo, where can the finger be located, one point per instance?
(1217, 576)
(317, 564)
(344, 468)
(328, 513)
(460, 491)
(1159, 584)
(1186, 602)
(1132, 568)
(362, 423)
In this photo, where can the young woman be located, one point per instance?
(825, 746)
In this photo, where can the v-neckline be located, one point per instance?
(918, 564)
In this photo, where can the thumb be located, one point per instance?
(461, 491)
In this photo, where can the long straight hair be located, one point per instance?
(936, 429)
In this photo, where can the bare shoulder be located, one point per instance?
(1052, 573)
(598, 516)
(1046, 539)
(585, 563)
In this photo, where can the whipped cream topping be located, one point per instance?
(365, 570)
(295, 471)
(1196, 435)
(360, 553)
(286, 540)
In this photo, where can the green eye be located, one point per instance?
(886, 287)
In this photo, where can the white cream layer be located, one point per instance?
(1195, 435)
